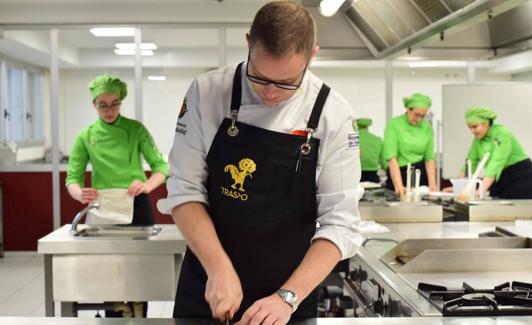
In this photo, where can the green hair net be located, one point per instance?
(417, 100)
(364, 122)
(106, 84)
(479, 115)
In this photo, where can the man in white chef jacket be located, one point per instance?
(263, 151)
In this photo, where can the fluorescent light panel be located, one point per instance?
(132, 52)
(113, 31)
(157, 78)
(329, 7)
(438, 64)
(132, 46)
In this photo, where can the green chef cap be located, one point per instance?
(364, 122)
(417, 100)
(106, 84)
(479, 115)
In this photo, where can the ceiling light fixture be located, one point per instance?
(157, 78)
(132, 52)
(328, 8)
(438, 64)
(132, 46)
(113, 31)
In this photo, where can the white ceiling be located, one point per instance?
(163, 37)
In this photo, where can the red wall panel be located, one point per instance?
(27, 208)
(28, 212)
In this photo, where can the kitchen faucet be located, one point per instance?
(77, 219)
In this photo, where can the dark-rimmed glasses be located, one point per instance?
(105, 106)
(281, 85)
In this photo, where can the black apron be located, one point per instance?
(370, 176)
(423, 176)
(142, 212)
(262, 201)
(515, 182)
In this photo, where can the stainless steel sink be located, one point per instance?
(119, 231)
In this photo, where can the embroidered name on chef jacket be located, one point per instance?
(182, 127)
(245, 168)
(352, 141)
(353, 138)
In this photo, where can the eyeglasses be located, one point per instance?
(418, 115)
(265, 82)
(105, 106)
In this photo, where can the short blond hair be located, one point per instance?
(283, 27)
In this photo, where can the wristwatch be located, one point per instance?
(289, 297)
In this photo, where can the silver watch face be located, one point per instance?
(288, 296)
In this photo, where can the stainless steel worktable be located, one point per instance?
(97, 269)
(403, 285)
(73, 264)
(526, 320)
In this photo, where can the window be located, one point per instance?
(34, 114)
(15, 110)
(22, 104)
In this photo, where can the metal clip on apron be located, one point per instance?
(262, 201)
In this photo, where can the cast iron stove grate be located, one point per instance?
(507, 299)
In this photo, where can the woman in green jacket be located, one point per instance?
(508, 171)
(408, 139)
(113, 144)
(370, 152)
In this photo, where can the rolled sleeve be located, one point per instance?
(77, 162)
(188, 167)
(338, 192)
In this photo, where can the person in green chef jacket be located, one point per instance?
(508, 171)
(408, 139)
(370, 151)
(113, 144)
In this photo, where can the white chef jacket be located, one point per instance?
(208, 102)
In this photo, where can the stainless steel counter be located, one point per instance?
(97, 269)
(102, 268)
(401, 212)
(402, 285)
(400, 231)
(168, 241)
(320, 321)
(496, 210)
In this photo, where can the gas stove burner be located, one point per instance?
(478, 296)
(503, 300)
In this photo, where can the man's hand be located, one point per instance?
(88, 195)
(267, 311)
(224, 293)
(136, 188)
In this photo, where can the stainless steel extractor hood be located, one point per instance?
(392, 27)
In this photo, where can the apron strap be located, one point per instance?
(318, 107)
(314, 119)
(236, 97)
